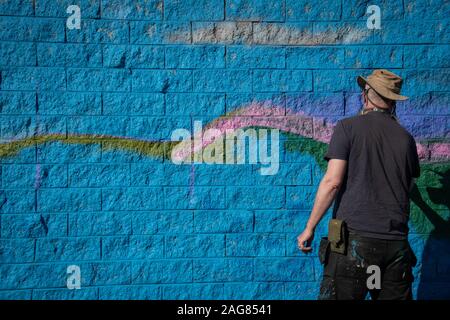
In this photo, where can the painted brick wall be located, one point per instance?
(87, 115)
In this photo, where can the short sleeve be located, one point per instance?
(414, 158)
(339, 147)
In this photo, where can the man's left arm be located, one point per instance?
(326, 193)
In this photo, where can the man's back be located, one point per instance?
(382, 160)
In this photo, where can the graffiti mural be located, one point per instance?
(88, 178)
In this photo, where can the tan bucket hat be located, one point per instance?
(387, 84)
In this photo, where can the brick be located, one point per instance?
(15, 294)
(105, 273)
(99, 224)
(422, 81)
(130, 293)
(441, 34)
(300, 197)
(15, 201)
(98, 126)
(143, 32)
(254, 291)
(255, 197)
(218, 175)
(175, 222)
(222, 80)
(189, 10)
(132, 198)
(274, 103)
(65, 294)
(320, 104)
(89, 8)
(389, 10)
(16, 250)
(193, 291)
(13, 127)
(98, 80)
(302, 290)
(405, 32)
(256, 10)
(280, 220)
(228, 32)
(64, 199)
(315, 57)
(23, 276)
(145, 222)
(65, 103)
(156, 128)
(58, 152)
(18, 7)
(336, 80)
(271, 33)
(18, 102)
(185, 246)
(124, 56)
(304, 10)
(284, 269)
(68, 55)
(17, 54)
(132, 247)
(374, 57)
(426, 57)
(162, 271)
(288, 174)
(34, 175)
(162, 80)
(182, 104)
(426, 9)
(282, 80)
(28, 78)
(67, 249)
(99, 175)
(112, 155)
(99, 31)
(132, 9)
(50, 125)
(33, 225)
(182, 57)
(32, 29)
(229, 221)
(147, 174)
(223, 270)
(256, 57)
(244, 245)
(198, 198)
(133, 104)
(355, 32)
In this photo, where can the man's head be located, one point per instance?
(371, 99)
(381, 89)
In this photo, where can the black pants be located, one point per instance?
(345, 276)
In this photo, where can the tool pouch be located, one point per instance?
(324, 249)
(337, 235)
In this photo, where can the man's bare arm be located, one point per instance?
(327, 191)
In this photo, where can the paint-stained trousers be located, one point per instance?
(345, 276)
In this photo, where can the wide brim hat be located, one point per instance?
(387, 84)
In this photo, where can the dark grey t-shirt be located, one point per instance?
(382, 160)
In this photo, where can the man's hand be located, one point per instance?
(305, 239)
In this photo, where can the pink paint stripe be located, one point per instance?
(318, 128)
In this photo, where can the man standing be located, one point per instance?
(372, 163)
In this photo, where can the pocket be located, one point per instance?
(324, 248)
